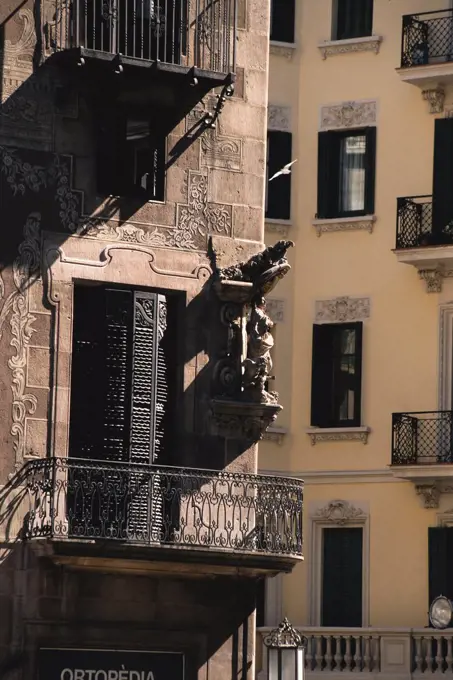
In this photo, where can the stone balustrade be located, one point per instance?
(397, 653)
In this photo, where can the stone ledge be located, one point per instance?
(338, 434)
(282, 49)
(362, 223)
(278, 226)
(275, 434)
(369, 43)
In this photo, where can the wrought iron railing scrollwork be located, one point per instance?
(422, 438)
(161, 506)
(427, 38)
(191, 33)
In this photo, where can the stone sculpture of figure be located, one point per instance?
(257, 265)
(258, 363)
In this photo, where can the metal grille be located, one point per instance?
(192, 33)
(200, 508)
(427, 38)
(414, 225)
(422, 438)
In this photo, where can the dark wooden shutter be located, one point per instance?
(342, 577)
(440, 562)
(282, 20)
(260, 603)
(111, 150)
(328, 174)
(321, 377)
(370, 169)
(354, 19)
(443, 174)
(279, 190)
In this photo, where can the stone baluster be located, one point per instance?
(319, 655)
(309, 657)
(348, 655)
(338, 658)
(449, 657)
(367, 654)
(418, 655)
(358, 654)
(328, 657)
(376, 653)
(439, 654)
(429, 654)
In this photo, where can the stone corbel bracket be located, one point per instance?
(241, 420)
(435, 98)
(429, 494)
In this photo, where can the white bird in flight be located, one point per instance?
(286, 170)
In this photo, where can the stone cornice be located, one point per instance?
(278, 226)
(370, 43)
(362, 223)
(338, 434)
(282, 49)
(275, 434)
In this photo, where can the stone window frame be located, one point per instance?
(445, 378)
(74, 259)
(335, 513)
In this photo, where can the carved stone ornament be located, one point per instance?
(430, 495)
(435, 99)
(342, 309)
(432, 278)
(348, 115)
(280, 49)
(275, 435)
(340, 434)
(371, 43)
(218, 151)
(281, 227)
(239, 420)
(345, 224)
(279, 118)
(339, 512)
(283, 637)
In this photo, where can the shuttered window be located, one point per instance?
(336, 375)
(123, 375)
(342, 557)
(443, 181)
(282, 20)
(352, 19)
(440, 562)
(131, 156)
(278, 192)
(346, 172)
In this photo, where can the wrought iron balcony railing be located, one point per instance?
(161, 506)
(427, 38)
(422, 438)
(414, 224)
(182, 33)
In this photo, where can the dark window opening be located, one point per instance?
(278, 192)
(260, 603)
(131, 157)
(341, 596)
(336, 375)
(346, 172)
(282, 20)
(352, 19)
(440, 562)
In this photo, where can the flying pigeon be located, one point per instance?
(286, 170)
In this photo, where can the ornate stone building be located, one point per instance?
(135, 341)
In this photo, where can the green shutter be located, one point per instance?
(279, 190)
(440, 562)
(341, 602)
(443, 174)
(370, 168)
(321, 377)
(328, 174)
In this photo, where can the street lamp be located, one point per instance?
(285, 653)
(441, 612)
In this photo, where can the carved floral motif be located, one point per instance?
(279, 118)
(348, 115)
(342, 309)
(339, 512)
(218, 151)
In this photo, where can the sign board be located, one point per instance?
(103, 664)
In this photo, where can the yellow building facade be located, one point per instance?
(364, 93)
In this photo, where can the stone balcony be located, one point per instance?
(396, 653)
(112, 516)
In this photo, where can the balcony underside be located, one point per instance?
(428, 76)
(159, 560)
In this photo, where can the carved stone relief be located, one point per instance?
(279, 118)
(218, 151)
(435, 99)
(348, 115)
(344, 224)
(339, 512)
(277, 227)
(329, 48)
(285, 50)
(195, 221)
(429, 493)
(342, 309)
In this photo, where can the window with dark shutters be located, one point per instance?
(442, 176)
(352, 19)
(440, 562)
(282, 20)
(346, 172)
(123, 393)
(336, 375)
(278, 192)
(341, 596)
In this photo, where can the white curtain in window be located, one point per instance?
(352, 173)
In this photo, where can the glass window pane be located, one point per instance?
(348, 341)
(352, 173)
